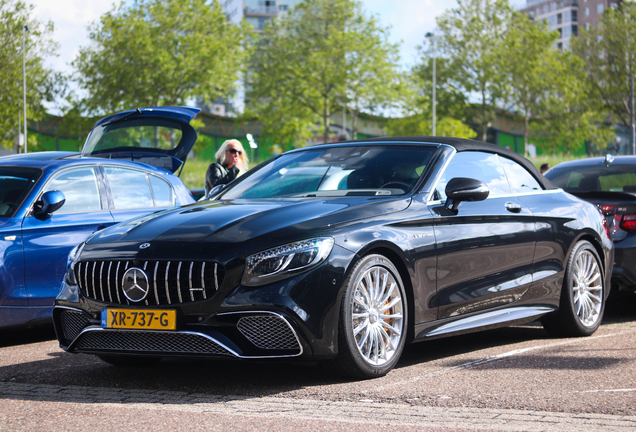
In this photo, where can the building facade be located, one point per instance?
(256, 12)
(567, 17)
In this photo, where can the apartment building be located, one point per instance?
(256, 12)
(567, 16)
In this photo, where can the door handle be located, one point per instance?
(513, 207)
(99, 228)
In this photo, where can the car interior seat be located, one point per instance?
(364, 179)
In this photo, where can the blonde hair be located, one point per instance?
(243, 161)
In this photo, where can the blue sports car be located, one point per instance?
(52, 201)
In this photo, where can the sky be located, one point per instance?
(409, 20)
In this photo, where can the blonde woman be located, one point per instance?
(231, 161)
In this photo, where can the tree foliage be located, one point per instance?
(159, 52)
(609, 53)
(470, 36)
(321, 55)
(42, 83)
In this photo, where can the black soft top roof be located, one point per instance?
(461, 144)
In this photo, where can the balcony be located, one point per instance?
(261, 11)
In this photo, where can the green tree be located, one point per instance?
(159, 52)
(609, 53)
(567, 114)
(471, 37)
(529, 61)
(309, 62)
(42, 83)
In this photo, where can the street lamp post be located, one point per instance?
(431, 36)
(24, 30)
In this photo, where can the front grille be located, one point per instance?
(268, 332)
(73, 323)
(149, 342)
(169, 282)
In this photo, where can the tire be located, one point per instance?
(129, 361)
(582, 296)
(373, 320)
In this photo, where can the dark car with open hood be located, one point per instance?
(609, 183)
(342, 253)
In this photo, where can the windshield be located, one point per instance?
(340, 171)
(613, 178)
(15, 184)
(142, 133)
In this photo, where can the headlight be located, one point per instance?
(284, 261)
(73, 257)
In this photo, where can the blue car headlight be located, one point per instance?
(285, 261)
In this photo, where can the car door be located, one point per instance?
(48, 241)
(134, 192)
(484, 249)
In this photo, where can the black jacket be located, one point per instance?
(219, 174)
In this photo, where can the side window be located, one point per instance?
(521, 181)
(80, 188)
(161, 191)
(476, 165)
(130, 188)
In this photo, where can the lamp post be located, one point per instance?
(431, 36)
(24, 30)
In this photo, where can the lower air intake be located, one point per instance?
(72, 324)
(149, 342)
(268, 332)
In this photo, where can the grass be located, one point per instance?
(193, 174)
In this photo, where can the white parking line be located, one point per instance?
(480, 362)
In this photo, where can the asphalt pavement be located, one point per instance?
(517, 379)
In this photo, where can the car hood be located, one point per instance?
(232, 222)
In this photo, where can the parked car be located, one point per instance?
(610, 184)
(52, 201)
(414, 239)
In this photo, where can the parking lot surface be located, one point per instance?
(516, 378)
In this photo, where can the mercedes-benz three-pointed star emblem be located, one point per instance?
(135, 284)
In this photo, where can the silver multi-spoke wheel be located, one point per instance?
(377, 315)
(583, 295)
(587, 288)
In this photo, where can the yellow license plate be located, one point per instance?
(151, 319)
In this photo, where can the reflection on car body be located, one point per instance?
(344, 253)
(52, 201)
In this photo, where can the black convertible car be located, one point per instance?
(342, 253)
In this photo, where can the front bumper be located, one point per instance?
(294, 317)
(254, 334)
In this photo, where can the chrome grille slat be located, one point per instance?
(155, 282)
(110, 295)
(216, 279)
(117, 282)
(166, 280)
(203, 279)
(190, 281)
(179, 282)
(93, 279)
(145, 265)
(110, 275)
(101, 278)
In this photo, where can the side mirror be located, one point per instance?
(50, 202)
(464, 189)
(214, 191)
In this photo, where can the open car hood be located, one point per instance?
(158, 136)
